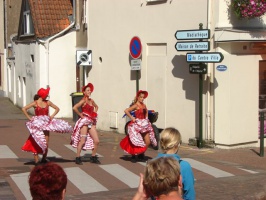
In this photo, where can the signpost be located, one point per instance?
(192, 46)
(135, 50)
(198, 59)
(210, 57)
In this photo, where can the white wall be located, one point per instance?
(236, 98)
(2, 49)
(62, 73)
(60, 76)
(112, 24)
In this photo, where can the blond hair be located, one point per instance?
(161, 176)
(170, 138)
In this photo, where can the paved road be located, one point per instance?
(220, 174)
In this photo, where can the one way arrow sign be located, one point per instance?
(210, 57)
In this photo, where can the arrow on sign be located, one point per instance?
(211, 57)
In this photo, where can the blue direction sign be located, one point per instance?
(192, 46)
(193, 34)
(210, 57)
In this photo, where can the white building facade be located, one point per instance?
(230, 97)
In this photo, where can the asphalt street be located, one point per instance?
(219, 173)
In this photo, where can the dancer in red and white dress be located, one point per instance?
(40, 125)
(85, 135)
(140, 132)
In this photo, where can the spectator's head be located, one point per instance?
(170, 140)
(48, 182)
(162, 176)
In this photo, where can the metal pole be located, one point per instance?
(200, 110)
(137, 80)
(77, 78)
(261, 134)
(199, 144)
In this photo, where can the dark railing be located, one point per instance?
(262, 136)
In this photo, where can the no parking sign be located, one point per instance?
(135, 47)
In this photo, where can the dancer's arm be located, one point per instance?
(77, 105)
(128, 110)
(56, 109)
(95, 106)
(27, 107)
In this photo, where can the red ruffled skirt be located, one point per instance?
(31, 146)
(130, 148)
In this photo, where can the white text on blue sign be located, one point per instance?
(205, 57)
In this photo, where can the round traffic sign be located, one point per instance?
(135, 47)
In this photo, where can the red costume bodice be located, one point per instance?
(141, 113)
(41, 111)
(88, 109)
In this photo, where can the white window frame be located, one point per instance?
(27, 21)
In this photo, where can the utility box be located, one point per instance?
(76, 97)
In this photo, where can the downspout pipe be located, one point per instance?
(46, 42)
(210, 73)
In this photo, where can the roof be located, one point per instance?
(50, 16)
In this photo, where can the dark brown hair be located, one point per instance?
(47, 182)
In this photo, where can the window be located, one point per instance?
(27, 21)
(262, 85)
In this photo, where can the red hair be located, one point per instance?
(47, 182)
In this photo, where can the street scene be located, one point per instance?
(219, 174)
(140, 100)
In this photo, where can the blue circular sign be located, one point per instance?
(135, 47)
(221, 68)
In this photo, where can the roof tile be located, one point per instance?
(50, 16)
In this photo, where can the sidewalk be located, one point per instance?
(240, 187)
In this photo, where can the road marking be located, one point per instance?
(204, 168)
(84, 182)
(6, 152)
(21, 181)
(121, 173)
(82, 153)
(199, 151)
(247, 170)
(51, 153)
(217, 173)
(143, 163)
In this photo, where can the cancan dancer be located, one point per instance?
(140, 132)
(40, 125)
(85, 135)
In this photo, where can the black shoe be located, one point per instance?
(141, 157)
(94, 159)
(37, 163)
(44, 160)
(78, 161)
(133, 158)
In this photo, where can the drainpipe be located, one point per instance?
(209, 77)
(46, 43)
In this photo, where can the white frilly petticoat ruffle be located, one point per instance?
(76, 136)
(41, 123)
(141, 126)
